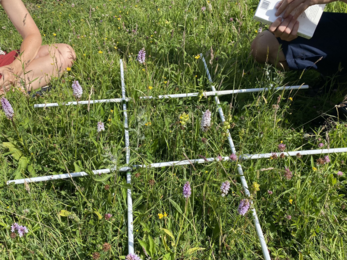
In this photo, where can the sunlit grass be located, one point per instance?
(166, 226)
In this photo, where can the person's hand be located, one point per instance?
(293, 7)
(286, 29)
(9, 79)
(8, 76)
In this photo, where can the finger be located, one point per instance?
(290, 27)
(283, 6)
(294, 33)
(300, 10)
(292, 6)
(295, 30)
(5, 79)
(275, 24)
(278, 4)
(283, 27)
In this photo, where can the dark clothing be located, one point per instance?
(326, 51)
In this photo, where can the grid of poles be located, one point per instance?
(128, 168)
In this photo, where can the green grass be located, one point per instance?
(64, 139)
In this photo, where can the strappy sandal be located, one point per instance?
(41, 91)
(341, 109)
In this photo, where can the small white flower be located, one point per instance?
(101, 127)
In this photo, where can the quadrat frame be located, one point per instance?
(128, 169)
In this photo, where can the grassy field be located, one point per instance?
(303, 216)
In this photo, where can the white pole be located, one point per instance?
(65, 176)
(224, 92)
(175, 163)
(239, 168)
(84, 102)
(130, 201)
(184, 95)
(294, 153)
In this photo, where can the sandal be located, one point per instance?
(341, 109)
(41, 91)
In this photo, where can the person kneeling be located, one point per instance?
(33, 65)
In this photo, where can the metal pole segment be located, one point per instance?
(176, 163)
(84, 102)
(224, 92)
(56, 177)
(129, 199)
(184, 95)
(293, 153)
(239, 169)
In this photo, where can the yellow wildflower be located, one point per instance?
(165, 215)
(165, 82)
(115, 47)
(100, 52)
(68, 69)
(150, 87)
(256, 186)
(197, 57)
(184, 118)
(54, 34)
(291, 99)
(111, 111)
(314, 169)
(290, 201)
(160, 216)
(119, 19)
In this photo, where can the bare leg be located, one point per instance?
(50, 61)
(265, 48)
